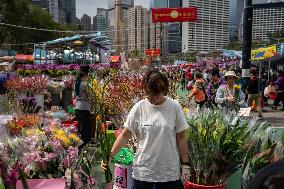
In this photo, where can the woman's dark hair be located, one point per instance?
(280, 73)
(215, 72)
(198, 74)
(253, 72)
(84, 70)
(155, 83)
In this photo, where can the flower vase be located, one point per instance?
(66, 97)
(40, 101)
(55, 100)
(190, 185)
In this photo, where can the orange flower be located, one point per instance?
(99, 118)
(104, 127)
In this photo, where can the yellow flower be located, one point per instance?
(74, 138)
(66, 142)
(186, 110)
(237, 87)
(31, 132)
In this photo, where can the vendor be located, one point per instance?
(83, 106)
(230, 96)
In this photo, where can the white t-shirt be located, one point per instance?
(157, 158)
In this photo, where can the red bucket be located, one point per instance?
(69, 123)
(189, 185)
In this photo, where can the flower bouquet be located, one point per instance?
(51, 152)
(218, 144)
(29, 105)
(55, 87)
(106, 142)
(17, 124)
(35, 84)
(3, 78)
(68, 82)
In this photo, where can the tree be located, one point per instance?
(23, 13)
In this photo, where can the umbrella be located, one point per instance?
(268, 54)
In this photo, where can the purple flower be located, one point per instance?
(28, 66)
(49, 156)
(56, 146)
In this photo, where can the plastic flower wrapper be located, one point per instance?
(55, 87)
(78, 169)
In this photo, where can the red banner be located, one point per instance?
(185, 14)
(153, 52)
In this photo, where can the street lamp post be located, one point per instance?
(247, 40)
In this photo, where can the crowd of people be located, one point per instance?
(227, 90)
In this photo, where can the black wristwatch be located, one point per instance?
(184, 163)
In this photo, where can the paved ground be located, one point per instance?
(274, 117)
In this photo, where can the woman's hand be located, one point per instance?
(185, 173)
(104, 166)
(231, 99)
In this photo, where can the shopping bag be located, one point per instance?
(266, 91)
(272, 96)
(122, 177)
(271, 89)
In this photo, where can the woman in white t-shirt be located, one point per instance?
(159, 124)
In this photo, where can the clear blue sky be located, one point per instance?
(89, 7)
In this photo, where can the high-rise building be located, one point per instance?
(169, 35)
(86, 22)
(56, 8)
(44, 4)
(117, 24)
(70, 10)
(211, 30)
(235, 19)
(100, 20)
(267, 18)
(138, 18)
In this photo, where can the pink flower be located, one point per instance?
(77, 180)
(91, 181)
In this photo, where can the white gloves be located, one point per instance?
(185, 173)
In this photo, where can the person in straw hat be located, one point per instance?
(230, 96)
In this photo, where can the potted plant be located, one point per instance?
(217, 147)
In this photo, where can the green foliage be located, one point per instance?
(218, 145)
(23, 13)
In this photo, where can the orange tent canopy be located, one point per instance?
(24, 57)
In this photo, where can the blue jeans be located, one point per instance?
(156, 185)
